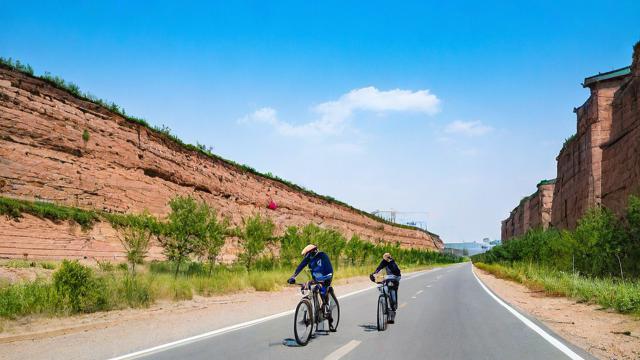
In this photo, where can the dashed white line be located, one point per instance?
(192, 339)
(553, 341)
(343, 350)
(419, 291)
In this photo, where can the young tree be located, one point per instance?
(213, 239)
(187, 226)
(290, 245)
(135, 236)
(255, 235)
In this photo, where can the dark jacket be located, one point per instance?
(391, 267)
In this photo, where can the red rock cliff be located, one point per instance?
(125, 167)
(621, 154)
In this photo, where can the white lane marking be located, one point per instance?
(173, 344)
(553, 341)
(428, 286)
(419, 291)
(344, 350)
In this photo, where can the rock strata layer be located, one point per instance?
(127, 168)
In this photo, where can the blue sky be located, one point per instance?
(453, 108)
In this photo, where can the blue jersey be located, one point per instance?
(320, 266)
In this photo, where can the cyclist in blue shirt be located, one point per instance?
(321, 269)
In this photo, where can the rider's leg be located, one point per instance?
(394, 294)
(324, 291)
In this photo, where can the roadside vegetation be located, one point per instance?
(192, 236)
(598, 262)
(166, 133)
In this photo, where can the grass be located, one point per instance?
(568, 141)
(165, 133)
(113, 289)
(18, 263)
(14, 208)
(621, 296)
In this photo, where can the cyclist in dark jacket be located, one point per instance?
(320, 266)
(392, 278)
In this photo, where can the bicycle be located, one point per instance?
(384, 312)
(309, 312)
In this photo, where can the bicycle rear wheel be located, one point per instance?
(334, 311)
(382, 313)
(303, 323)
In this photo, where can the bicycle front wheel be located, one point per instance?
(303, 323)
(382, 313)
(334, 311)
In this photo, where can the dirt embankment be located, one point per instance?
(125, 167)
(604, 334)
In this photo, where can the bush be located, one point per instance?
(601, 245)
(80, 290)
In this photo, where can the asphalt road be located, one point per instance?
(444, 314)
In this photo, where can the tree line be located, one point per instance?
(194, 230)
(602, 244)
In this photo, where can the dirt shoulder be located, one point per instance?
(605, 334)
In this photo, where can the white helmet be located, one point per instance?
(307, 249)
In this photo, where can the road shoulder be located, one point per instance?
(604, 334)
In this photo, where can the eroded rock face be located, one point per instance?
(579, 178)
(126, 168)
(621, 154)
(532, 213)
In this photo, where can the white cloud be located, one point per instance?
(468, 128)
(333, 116)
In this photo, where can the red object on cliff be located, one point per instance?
(272, 205)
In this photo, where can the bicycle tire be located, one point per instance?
(303, 316)
(382, 313)
(335, 311)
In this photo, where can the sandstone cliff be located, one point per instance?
(126, 167)
(600, 165)
(621, 154)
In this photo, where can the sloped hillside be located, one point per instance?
(58, 147)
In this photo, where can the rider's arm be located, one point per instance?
(382, 265)
(304, 263)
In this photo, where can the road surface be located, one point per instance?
(444, 314)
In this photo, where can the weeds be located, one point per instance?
(14, 208)
(620, 295)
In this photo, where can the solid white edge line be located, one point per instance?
(343, 350)
(552, 340)
(173, 344)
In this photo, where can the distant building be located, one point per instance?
(470, 248)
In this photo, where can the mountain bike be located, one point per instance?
(310, 312)
(385, 314)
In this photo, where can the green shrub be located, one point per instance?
(79, 288)
(106, 266)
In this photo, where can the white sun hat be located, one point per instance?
(308, 248)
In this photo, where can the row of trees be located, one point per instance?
(601, 245)
(194, 229)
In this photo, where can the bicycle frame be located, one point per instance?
(383, 288)
(311, 292)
